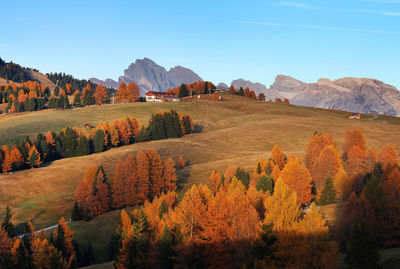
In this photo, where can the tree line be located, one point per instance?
(197, 87)
(246, 92)
(136, 179)
(63, 80)
(12, 71)
(71, 142)
(270, 219)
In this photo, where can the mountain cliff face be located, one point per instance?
(149, 76)
(362, 95)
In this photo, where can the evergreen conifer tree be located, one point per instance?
(362, 250)
(328, 195)
(83, 146)
(165, 249)
(7, 225)
(69, 142)
(76, 213)
(98, 141)
(265, 183)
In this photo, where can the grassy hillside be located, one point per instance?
(236, 131)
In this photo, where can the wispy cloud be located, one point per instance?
(369, 11)
(320, 27)
(296, 5)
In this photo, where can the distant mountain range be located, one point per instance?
(150, 76)
(362, 95)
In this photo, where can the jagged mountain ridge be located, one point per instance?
(362, 95)
(150, 76)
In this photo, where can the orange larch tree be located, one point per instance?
(17, 159)
(142, 176)
(181, 163)
(156, 173)
(7, 163)
(353, 138)
(298, 178)
(278, 157)
(314, 147)
(327, 165)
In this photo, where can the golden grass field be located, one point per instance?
(236, 131)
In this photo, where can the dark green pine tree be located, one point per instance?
(165, 249)
(52, 102)
(143, 135)
(263, 247)
(374, 193)
(243, 176)
(265, 183)
(7, 225)
(182, 91)
(45, 151)
(76, 213)
(88, 256)
(32, 103)
(77, 99)
(69, 142)
(83, 146)
(187, 125)
(88, 98)
(139, 246)
(98, 141)
(362, 252)
(56, 91)
(64, 102)
(328, 195)
(157, 127)
(172, 124)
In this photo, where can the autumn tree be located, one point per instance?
(169, 175)
(278, 157)
(282, 208)
(342, 184)
(135, 246)
(327, 165)
(143, 176)
(63, 241)
(351, 139)
(355, 162)
(34, 159)
(298, 178)
(7, 163)
(181, 163)
(156, 181)
(100, 95)
(314, 147)
(16, 157)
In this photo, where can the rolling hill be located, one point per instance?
(236, 131)
(253, 128)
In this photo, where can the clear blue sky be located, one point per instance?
(219, 40)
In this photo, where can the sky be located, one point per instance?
(219, 40)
